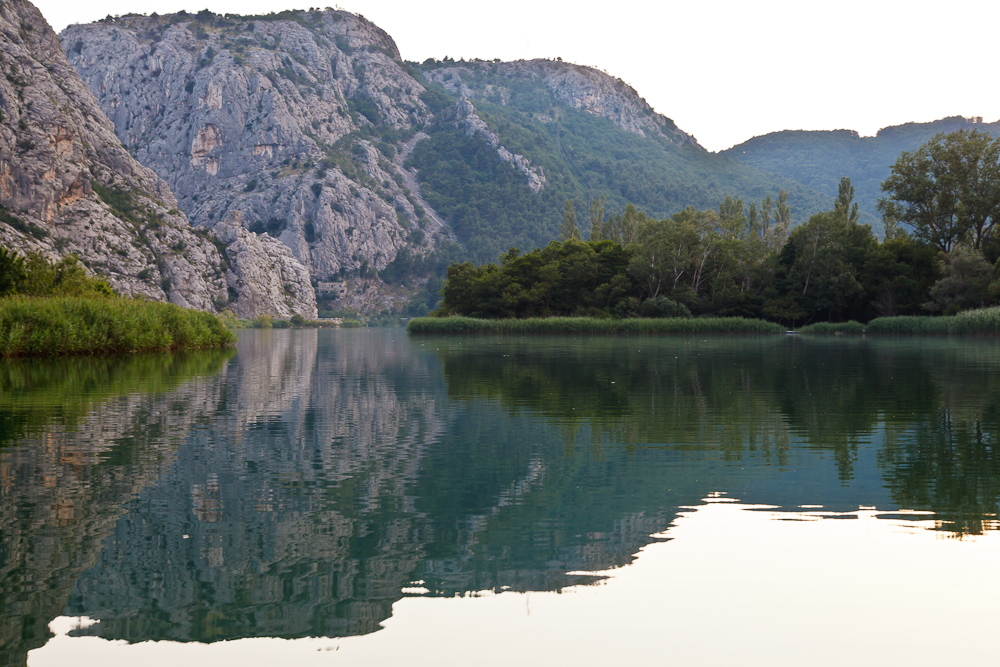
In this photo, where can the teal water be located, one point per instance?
(381, 491)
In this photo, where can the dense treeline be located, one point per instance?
(744, 261)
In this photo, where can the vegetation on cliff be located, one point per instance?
(488, 202)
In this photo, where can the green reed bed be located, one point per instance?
(912, 324)
(590, 325)
(833, 328)
(34, 326)
(981, 322)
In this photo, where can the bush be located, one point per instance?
(662, 306)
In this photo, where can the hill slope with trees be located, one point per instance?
(818, 159)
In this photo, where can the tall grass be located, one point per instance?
(591, 325)
(32, 326)
(833, 328)
(981, 322)
(911, 324)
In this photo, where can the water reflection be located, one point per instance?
(80, 438)
(929, 406)
(319, 477)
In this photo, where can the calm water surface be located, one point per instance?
(361, 497)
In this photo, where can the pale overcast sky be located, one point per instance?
(723, 70)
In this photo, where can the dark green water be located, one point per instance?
(305, 485)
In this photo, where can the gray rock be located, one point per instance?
(577, 86)
(266, 277)
(68, 186)
(473, 125)
(273, 118)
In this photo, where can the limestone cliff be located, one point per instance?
(294, 120)
(67, 185)
(576, 86)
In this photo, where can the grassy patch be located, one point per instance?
(73, 325)
(833, 328)
(590, 325)
(980, 322)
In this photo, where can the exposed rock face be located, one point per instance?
(576, 86)
(292, 120)
(475, 125)
(67, 185)
(267, 279)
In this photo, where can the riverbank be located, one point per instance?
(981, 322)
(591, 325)
(52, 326)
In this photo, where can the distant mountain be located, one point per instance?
(818, 159)
(373, 171)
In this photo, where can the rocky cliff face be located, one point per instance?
(294, 120)
(576, 86)
(67, 185)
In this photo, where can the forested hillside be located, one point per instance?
(818, 159)
(584, 133)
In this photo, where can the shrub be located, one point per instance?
(662, 306)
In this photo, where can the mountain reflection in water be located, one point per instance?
(302, 487)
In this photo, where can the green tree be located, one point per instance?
(948, 190)
(568, 230)
(820, 266)
(665, 254)
(67, 277)
(597, 207)
(965, 285)
(11, 271)
(898, 274)
(845, 204)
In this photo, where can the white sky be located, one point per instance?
(723, 70)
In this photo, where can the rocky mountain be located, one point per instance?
(280, 118)
(68, 186)
(377, 172)
(818, 159)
